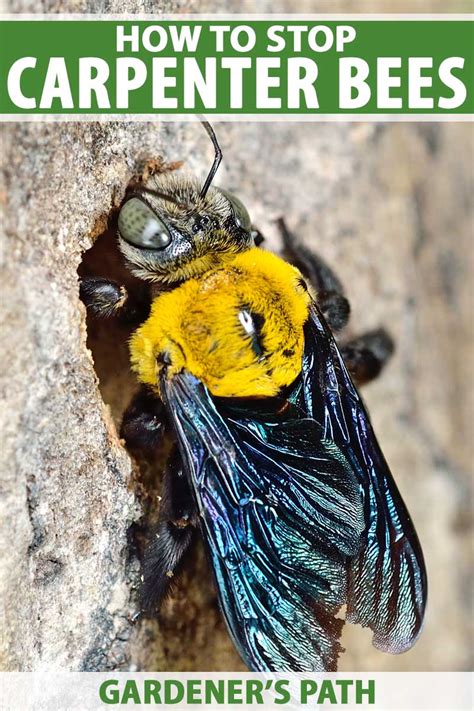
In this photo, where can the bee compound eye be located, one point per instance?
(241, 215)
(139, 226)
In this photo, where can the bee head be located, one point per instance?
(168, 232)
(174, 228)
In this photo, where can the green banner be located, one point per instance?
(240, 66)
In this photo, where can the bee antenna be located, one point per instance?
(217, 158)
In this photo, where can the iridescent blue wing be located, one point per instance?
(387, 585)
(281, 513)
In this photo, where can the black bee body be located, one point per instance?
(283, 475)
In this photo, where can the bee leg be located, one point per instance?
(143, 426)
(172, 537)
(106, 298)
(335, 309)
(331, 300)
(144, 421)
(366, 355)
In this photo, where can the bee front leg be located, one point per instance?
(331, 300)
(105, 298)
(172, 537)
(366, 355)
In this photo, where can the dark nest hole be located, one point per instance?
(192, 596)
(107, 338)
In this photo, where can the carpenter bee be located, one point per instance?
(274, 458)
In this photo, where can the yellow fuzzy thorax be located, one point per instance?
(197, 327)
